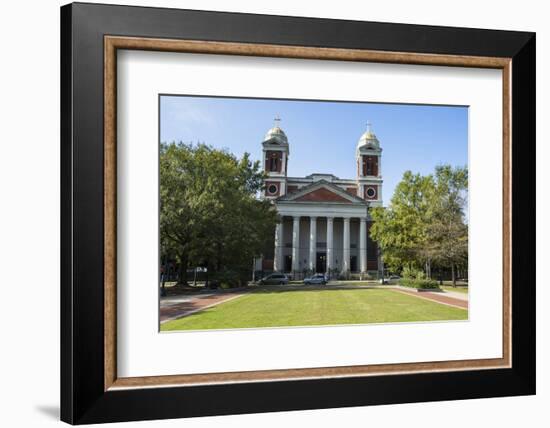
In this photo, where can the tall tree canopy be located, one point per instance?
(447, 228)
(425, 222)
(209, 210)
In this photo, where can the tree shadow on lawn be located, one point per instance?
(191, 306)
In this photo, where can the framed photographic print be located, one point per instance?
(266, 213)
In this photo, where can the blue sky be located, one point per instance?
(323, 134)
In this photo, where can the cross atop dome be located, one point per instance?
(368, 140)
(276, 135)
(368, 133)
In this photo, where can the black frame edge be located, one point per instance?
(66, 306)
(82, 397)
(297, 30)
(524, 213)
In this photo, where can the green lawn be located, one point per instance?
(458, 288)
(272, 308)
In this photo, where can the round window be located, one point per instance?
(371, 193)
(272, 189)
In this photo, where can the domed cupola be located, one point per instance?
(368, 140)
(276, 135)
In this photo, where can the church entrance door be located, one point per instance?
(353, 264)
(288, 263)
(321, 264)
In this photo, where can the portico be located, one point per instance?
(322, 245)
(322, 228)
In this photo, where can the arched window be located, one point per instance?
(274, 162)
(370, 165)
(274, 166)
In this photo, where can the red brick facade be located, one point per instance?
(351, 191)
(267, 264)
(291, 189)
(372, 265)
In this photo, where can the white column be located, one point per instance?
(345, 262)
(278, 259)
(363, 244)
(330, 243)
(296, 244)
(312, 243)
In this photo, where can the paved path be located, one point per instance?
(175, 307)
(456, 294)
(436, 297)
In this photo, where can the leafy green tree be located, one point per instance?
(425, 221)
(209, 211)
(447, 230)
(401, 230)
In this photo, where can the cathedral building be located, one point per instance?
(324, 220)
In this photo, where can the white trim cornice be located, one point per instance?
(321, 210)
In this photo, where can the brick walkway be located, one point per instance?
(171, 311)
(436, 297)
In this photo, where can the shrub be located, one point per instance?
(229, 279)
(412, 273)
(333, 272)
(416, 278)
(344, 275)
(419, 283)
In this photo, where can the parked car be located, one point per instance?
(274, 279)
(390, 279)
(318, 278)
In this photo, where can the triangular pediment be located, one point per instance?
(322, 195)
(322, 191)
